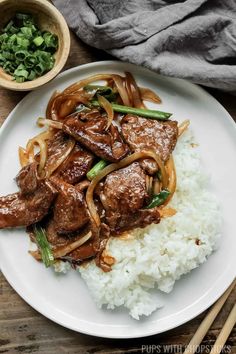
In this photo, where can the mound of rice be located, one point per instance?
(155, 257)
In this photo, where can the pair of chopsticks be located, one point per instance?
(207, 322)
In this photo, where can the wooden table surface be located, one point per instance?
(23, 330)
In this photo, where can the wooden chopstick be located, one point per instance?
(225, 332)
(207, 322)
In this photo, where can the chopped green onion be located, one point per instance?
(39, 69)
(8, 26)
(20, 79)
(146, 113)
(30, 61)
(21, 16)
(21, 55)
(32, 75)
(21, 42)
(38, 41)
(50, 39)
(44, 246)
(27, 32)
(96, 169)
(158, 199)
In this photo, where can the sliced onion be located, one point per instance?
(62, 99)
(50, 123)
(50, 102)
(137, 101)
(40, 141)
(118, 80)
(64, 250)
(49, 169)
(149, 95)
(80, 84)
(183, 126)
(67, 108)
(167, 212)
(156, 186)
(108, 108)
(115, 166)
(23, 156)
(170, 168)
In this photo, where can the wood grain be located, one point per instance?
(23, 330)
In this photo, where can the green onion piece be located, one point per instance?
(39, 69)
(146, 113)
(3, 37)
(38, 40)
(30, 61)
(21, 71)
(44, 246)
(8, 55)
(21, 55)
(27, 32)
(32, 75)
(96, 169)
(158, 199)
(22, 42)
(21, 16)
(8, 26)
(51, 40)
(19, 79)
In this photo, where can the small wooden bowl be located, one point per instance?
(47, 18)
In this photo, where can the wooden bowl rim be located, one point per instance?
(30, 85)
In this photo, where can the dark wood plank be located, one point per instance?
(23, 330)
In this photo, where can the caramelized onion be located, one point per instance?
(64, 250)
(137, 101)
(170, 167)
(49, 105)
(183, 126)
(53, 166)
(118, 80)
(64, 104)
(156, 186)
(105, 104)
(167, 212)
(23, 156)
(115, 166)
(67, 108)
(40, 141)
(78, 85)
(50, 123)
(149, 95)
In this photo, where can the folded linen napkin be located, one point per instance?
(191, 39)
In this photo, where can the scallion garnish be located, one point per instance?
(44, 246)
(158, 199)
(25, 51)
(146, 113)
(96, 169)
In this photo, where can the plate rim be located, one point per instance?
(8, 276)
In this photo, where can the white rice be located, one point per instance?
(158, 255)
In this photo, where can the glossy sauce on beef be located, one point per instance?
(143, 134)
(58, 202)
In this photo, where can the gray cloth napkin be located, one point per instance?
(191, 39)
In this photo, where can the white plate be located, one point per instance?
(65, 298)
